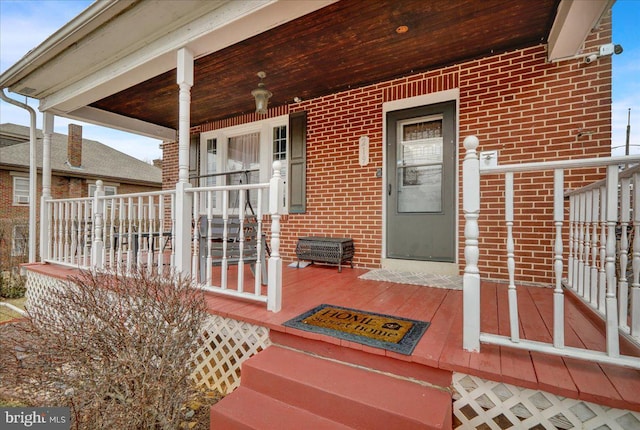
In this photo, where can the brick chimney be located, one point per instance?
(74, 145)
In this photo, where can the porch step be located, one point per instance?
(300, 390)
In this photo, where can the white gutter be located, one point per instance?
(33, 173)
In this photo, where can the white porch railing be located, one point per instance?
(594, 213)
(235, 227)
(140, 231)
(112, 232)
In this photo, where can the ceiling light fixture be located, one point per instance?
(402, 29)
(262, 95)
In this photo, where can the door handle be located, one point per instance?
(389, 188)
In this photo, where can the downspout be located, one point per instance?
(33, 173)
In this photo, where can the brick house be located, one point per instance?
(76, 165)
(374, 114)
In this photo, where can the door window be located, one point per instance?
(419, 170)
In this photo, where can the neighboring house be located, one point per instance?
(76, 165)
(370, 104)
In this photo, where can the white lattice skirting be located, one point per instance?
(224, 344)
(482, 404)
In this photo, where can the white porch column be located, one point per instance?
(47, 129)
(183, 199)
(471, 278)
(97, 249)
(274, 274)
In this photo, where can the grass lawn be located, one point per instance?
(6, 314)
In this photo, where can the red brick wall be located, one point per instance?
(515, 102)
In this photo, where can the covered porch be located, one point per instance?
(439, 359)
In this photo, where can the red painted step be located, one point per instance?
(354, 397)
(246, 409)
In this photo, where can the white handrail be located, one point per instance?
(594, 213)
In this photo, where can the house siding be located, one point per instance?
(515, 102)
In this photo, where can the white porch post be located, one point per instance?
(184, 199)
(274, 288)
(97, 250)
(471, 279)
(47, 129)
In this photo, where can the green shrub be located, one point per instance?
(12, 286)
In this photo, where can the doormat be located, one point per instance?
(388, 332)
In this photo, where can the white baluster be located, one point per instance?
(257, 287)
(471, 278)
(581, 217)
(130, 236)
(67, 232)
(151, 227)
(613, 348)
(209, 268)
(511, 262)
(625, 216)
(586, 281)
(162, 240)
(195, 254)
(225, 238)
(241, 214)
(594, 247)
(635, 286)
(602, 275)
(122, 219)
(111, 232)
(140, 228)
(576, 242)
(572, 206)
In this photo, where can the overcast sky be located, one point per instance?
(25, 24)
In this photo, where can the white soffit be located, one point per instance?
(573, 22)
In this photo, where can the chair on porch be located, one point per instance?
(234, 246)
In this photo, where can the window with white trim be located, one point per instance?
(109, 190)
(246, 152)
(20, 240)
(20, 191)
(280, 154)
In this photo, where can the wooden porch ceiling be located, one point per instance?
(348, 44)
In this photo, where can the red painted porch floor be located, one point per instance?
(440, 349)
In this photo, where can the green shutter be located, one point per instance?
(298, 162)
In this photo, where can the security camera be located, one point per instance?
(590, 58)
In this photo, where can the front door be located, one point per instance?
(421, 187)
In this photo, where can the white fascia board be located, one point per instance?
(94, 16)
(112, 120)
(574, 20)
(211, 32)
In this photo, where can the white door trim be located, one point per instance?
(411, 102)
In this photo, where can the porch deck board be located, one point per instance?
(536, 319)
(551, 371)
(513, 366)
(441, 345)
